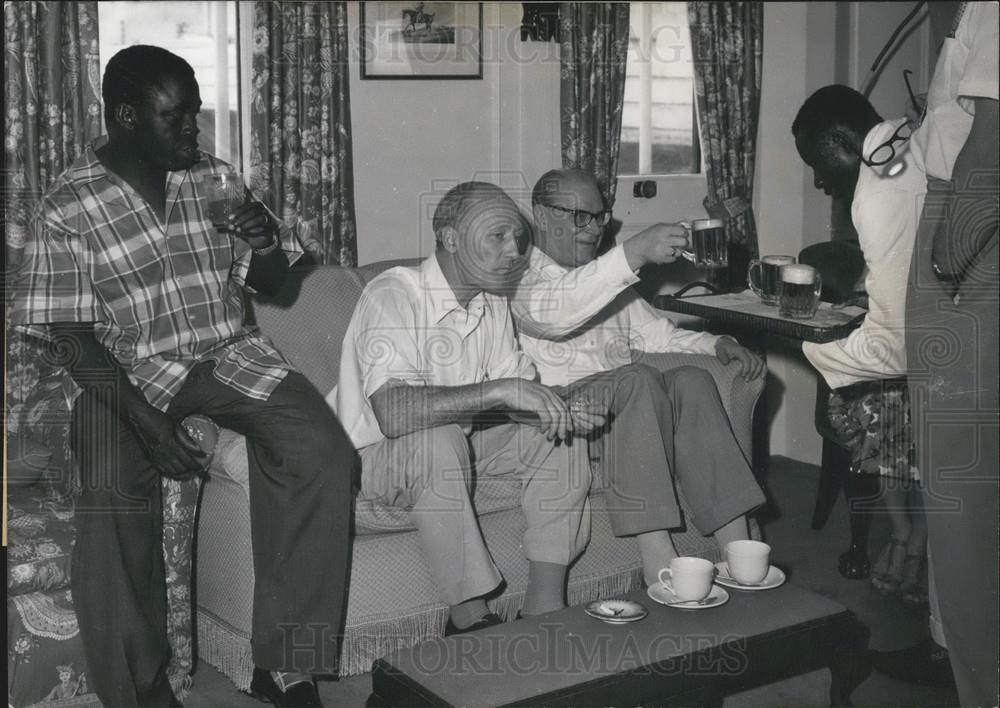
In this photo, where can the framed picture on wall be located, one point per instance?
(421, 40)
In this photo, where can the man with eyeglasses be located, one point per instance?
(581, 323)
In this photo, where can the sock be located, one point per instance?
(467, 613)
(286, 679)
(657, 550)
(546, 584)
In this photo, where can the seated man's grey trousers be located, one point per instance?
(301, 465)
(668, 428)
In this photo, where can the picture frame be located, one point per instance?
(421, 40)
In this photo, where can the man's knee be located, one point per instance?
(692, 381)
(437, 454)
(636, 379)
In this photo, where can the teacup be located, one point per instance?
(748, 561)
(690, 579)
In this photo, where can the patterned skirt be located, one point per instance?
(872, 420)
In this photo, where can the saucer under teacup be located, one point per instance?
(616, 611)
(775, 578)
(660, 593)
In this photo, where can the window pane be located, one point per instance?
(659, 134)
(200, 32)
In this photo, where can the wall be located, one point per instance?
(414, 139)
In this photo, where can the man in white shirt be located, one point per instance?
(427, 352)
(952, 298)
(579, 321)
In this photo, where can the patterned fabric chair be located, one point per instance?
(45, 663)
(307, 322)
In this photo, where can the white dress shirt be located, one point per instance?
(574, 323)
(967, 68)
(886, 209)
(408, 326)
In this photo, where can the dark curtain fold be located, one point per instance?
(300, 153)
(593, 49)
(727, 43)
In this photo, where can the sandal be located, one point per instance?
(888, 571)
(913, 586)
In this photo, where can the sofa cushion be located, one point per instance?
(323, 298)
(40, 537)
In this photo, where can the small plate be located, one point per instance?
(659, 592)
(775, 578)
(616, 611)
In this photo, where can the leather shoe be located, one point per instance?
(923, 664)
(489, 620)
(263, 687)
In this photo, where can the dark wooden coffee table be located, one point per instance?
(673, 656)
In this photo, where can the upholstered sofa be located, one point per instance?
(392, 601)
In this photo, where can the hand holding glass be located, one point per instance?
(224, 193)
(707, 243)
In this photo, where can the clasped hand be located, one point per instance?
(168, 446)
(559, 419)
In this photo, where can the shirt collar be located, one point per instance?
(440, 295)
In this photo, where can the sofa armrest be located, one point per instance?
(739, 397)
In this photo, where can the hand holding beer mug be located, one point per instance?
(798, 291)
(224, 194)
(707, 247)
(762, 277)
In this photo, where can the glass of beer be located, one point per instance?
(707, 243)
(799, 287)
(763, 276)
(224, 193)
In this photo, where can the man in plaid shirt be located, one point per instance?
(143, 297)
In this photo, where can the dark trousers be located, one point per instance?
(669, 427)
(955, 403)
(301, 469)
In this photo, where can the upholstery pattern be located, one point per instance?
(40, 535)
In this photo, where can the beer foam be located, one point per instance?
(797, 273)
(778, 260)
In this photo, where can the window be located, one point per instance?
(659, 129)
(203, 33)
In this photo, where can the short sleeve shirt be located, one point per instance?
(409, 327)
(163, 297)
(967, 68)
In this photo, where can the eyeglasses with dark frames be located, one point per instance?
(583, 218)
(886, 152)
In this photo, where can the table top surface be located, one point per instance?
(746, 309)
(540, 655)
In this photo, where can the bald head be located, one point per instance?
(570, 216)
(463, 201)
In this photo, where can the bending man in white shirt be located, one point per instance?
(427, 352)
(579, 321)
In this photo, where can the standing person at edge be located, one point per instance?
(579, 321)
(130, 279)
(952, 298)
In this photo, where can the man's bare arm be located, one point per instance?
(402, 409)
(971, 208)
(169, 447)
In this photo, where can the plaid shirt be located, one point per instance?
(162, 297)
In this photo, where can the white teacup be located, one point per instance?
(748, 561)
(690, 578)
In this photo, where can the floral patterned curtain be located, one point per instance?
(727, 42)
(52, 101)
(593, 48)
(52, 109)
(300, 153)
